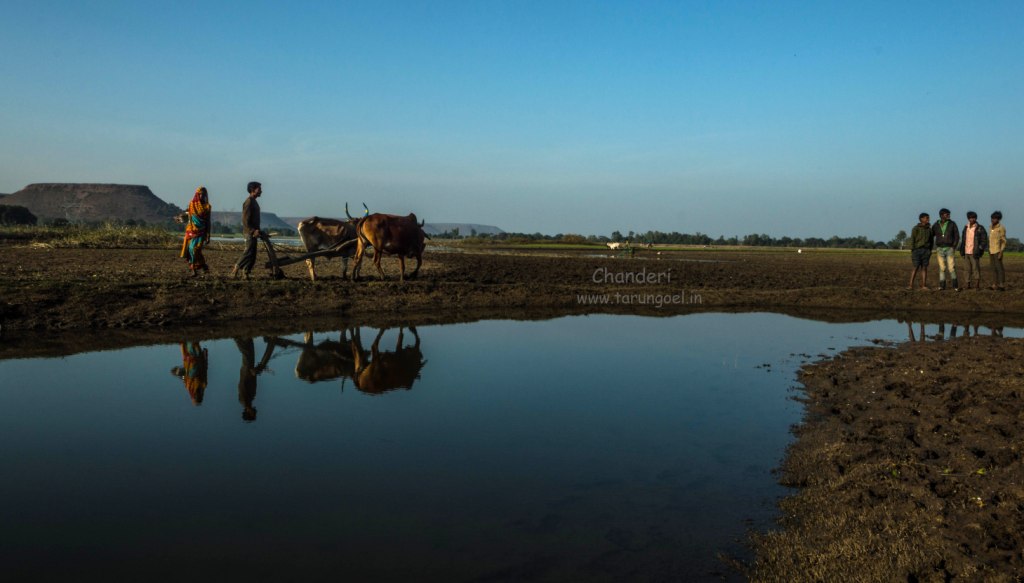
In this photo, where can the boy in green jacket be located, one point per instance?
(920, 250)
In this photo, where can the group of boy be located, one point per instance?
(947, 240)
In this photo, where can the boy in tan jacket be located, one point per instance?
(996, 245)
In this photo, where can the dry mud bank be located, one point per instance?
(908, 467)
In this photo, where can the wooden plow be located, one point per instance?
(276, 263)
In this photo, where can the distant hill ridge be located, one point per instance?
(267, 220)
(93, 202)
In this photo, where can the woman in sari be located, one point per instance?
(197, 231)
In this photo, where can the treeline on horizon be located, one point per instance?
(900, 241)
(18, 215)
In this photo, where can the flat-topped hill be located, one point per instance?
(93, 202)
(234, 219)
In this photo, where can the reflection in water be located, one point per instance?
(193, 370)
(248, 373)
(961, 328)
(388, 371)
(373, 371)
(576, 467)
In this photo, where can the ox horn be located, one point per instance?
(366, 210)
(346, 212)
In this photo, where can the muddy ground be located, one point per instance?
(43, 289)
(908, 465)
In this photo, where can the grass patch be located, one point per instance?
(106, 236)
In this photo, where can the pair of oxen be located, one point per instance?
(396, 235)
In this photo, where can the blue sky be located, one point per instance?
(803, 119)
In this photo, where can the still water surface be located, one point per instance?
(603, 448)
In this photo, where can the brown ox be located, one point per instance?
(389, 235)
(318, 233)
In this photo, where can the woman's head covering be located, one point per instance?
(200, 201)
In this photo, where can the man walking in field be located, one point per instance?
(973, 244)
(946, 239)
(920, 250)
(251, 228)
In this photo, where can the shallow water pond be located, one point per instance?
(603, 448)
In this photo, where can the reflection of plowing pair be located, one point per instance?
(373, 371)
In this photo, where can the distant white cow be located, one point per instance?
(620, 245)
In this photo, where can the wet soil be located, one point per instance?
(908, 467)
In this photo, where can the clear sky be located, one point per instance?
(801, 119)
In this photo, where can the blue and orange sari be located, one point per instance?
(193, 371)
(197, 231)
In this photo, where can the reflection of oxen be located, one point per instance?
(327, 360)
(389, 235)
(388, 371)
(318, 234)
(372, 371)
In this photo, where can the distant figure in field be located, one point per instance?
(197, 232)
(251, 228)
(920, 250)
(996, 246)
(973, 244)
(946, 239)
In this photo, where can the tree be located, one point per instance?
(16, 215)
(616, 236)
(899, 240)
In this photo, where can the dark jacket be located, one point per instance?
(980, 241)
(921, 237)
(950, 239)
(250, 216)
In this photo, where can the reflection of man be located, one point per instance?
(248, 373)
(193, 371)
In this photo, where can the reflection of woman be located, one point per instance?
(193, 370)
(197, 231)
